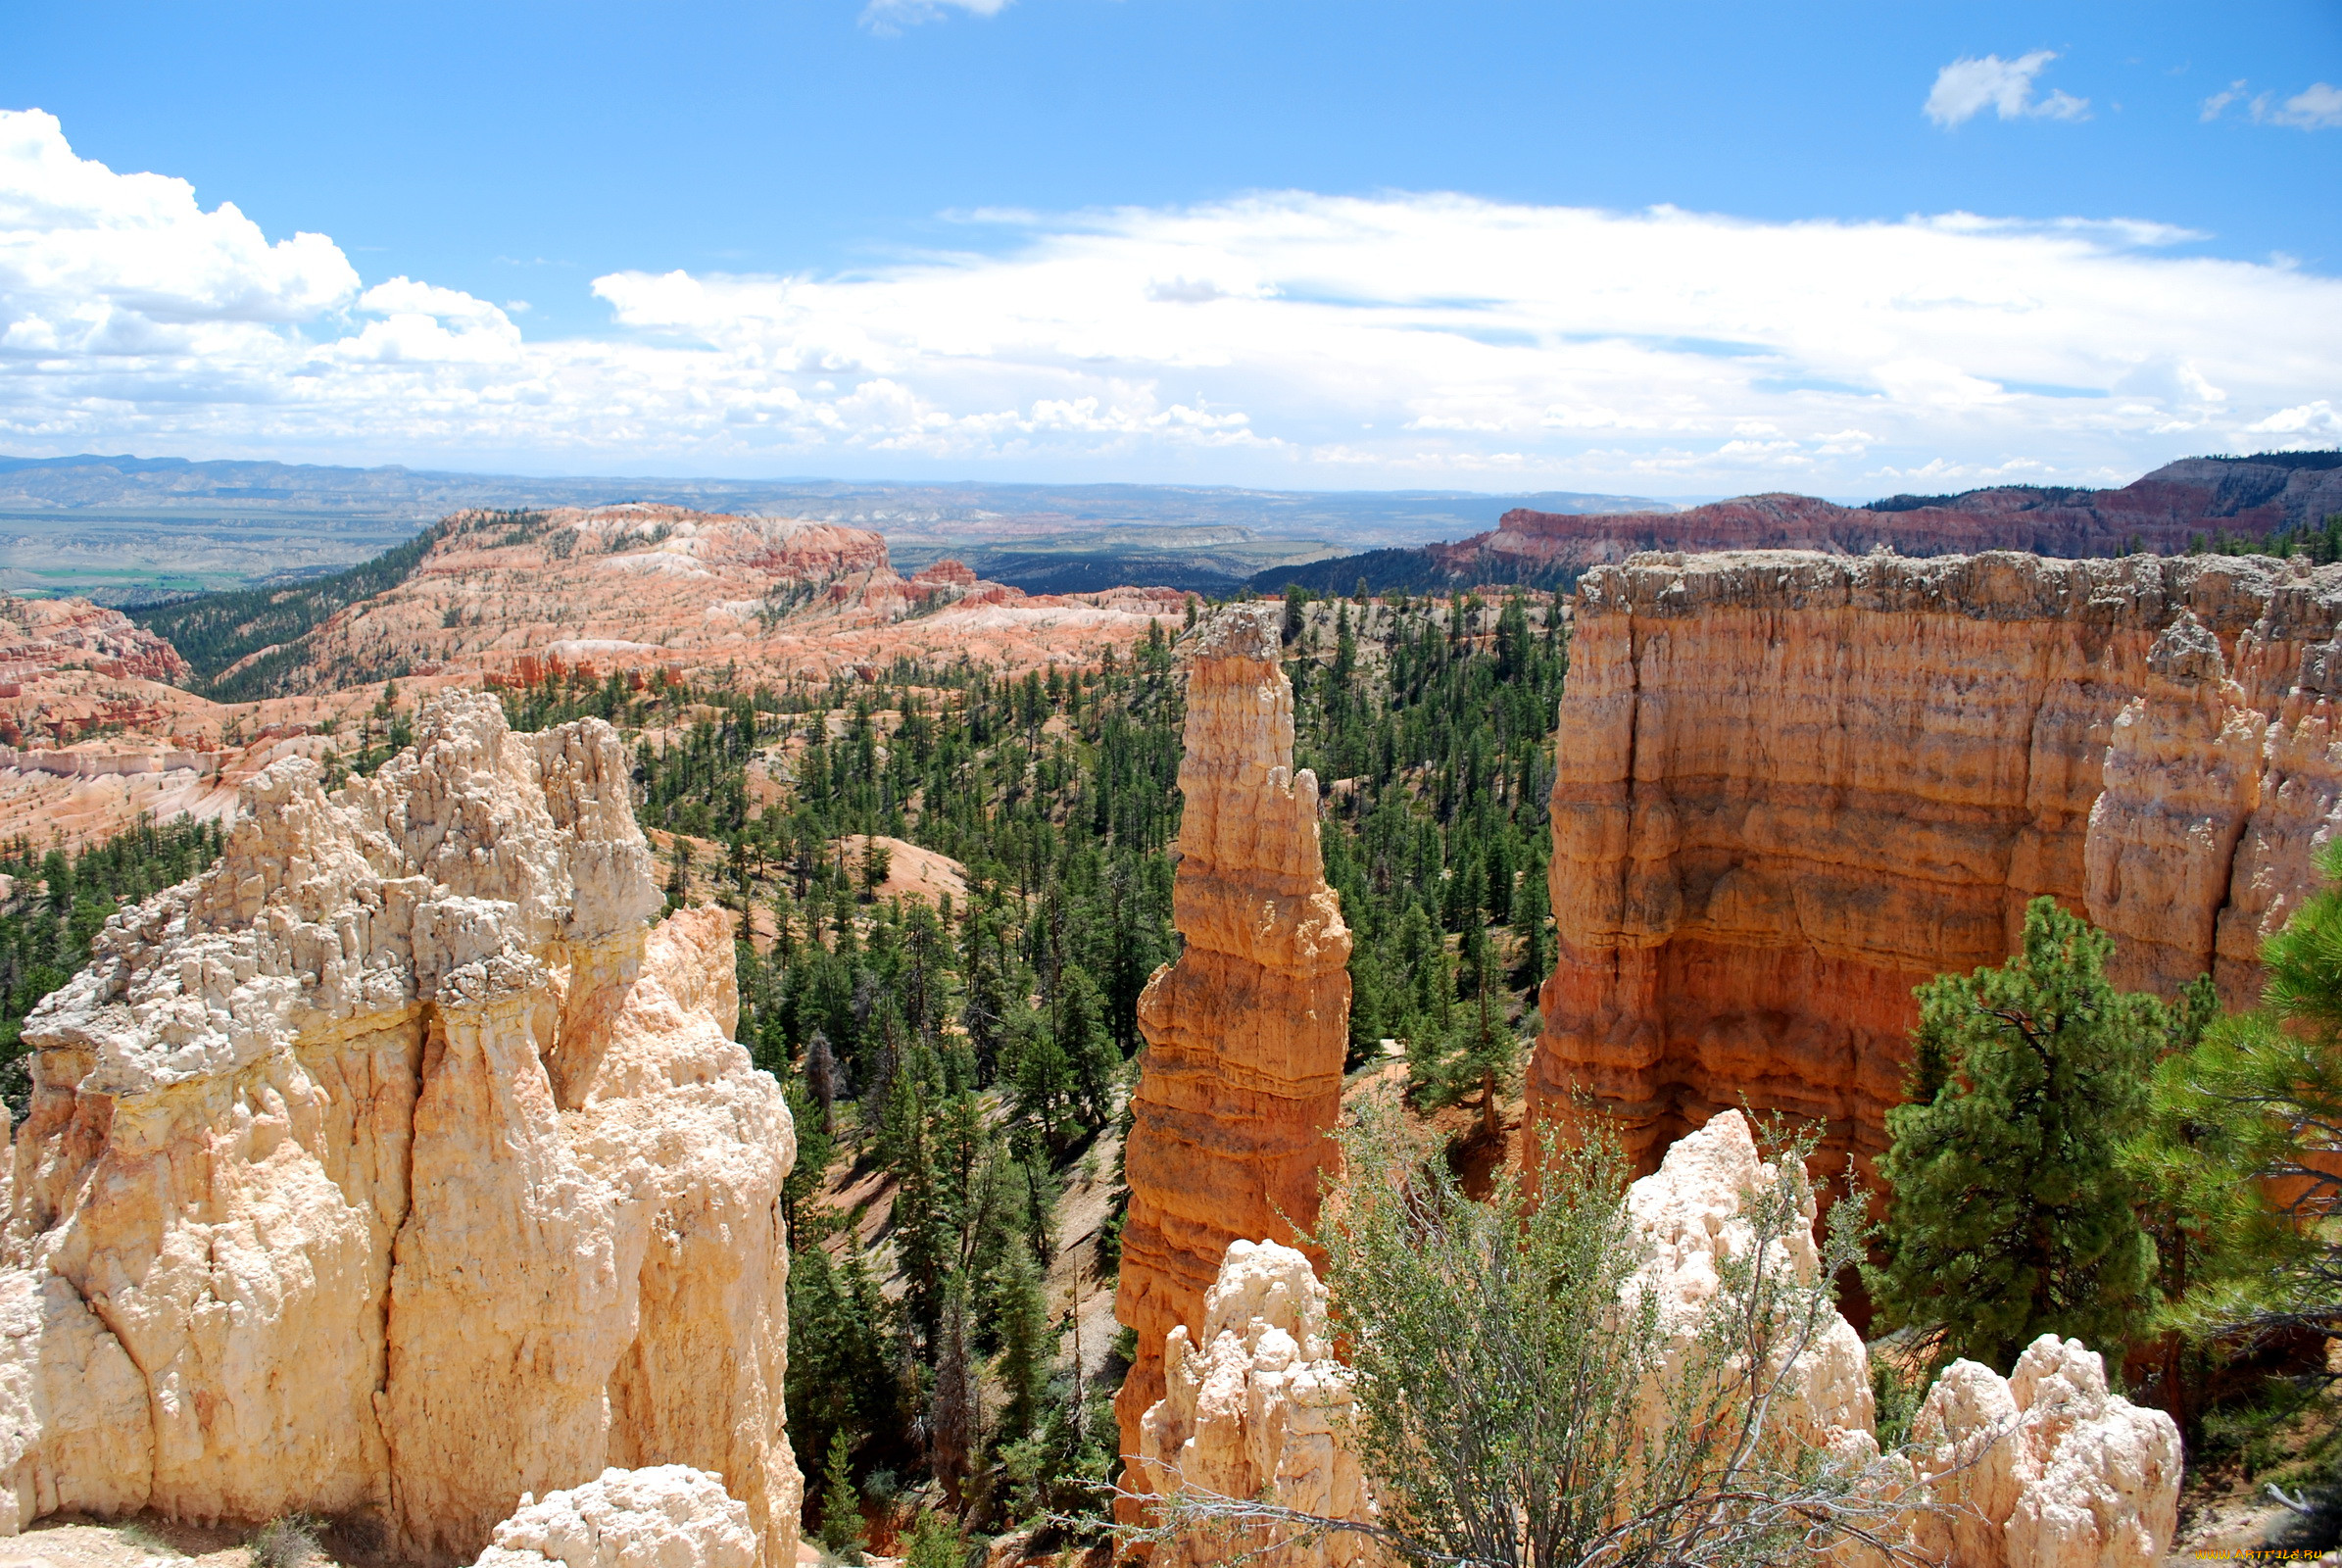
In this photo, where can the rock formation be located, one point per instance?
(1689, 1215)
(1791, 787)
(668, 1516)
(514, 594)
(1245, 1033)
(2193, 498)
(45, 634)
(2044, 1468)
(1259, 1406)
(2182, 777)
(395, 1166)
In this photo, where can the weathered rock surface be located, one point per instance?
(1690, 1214)
(396, 1166)
(2182, 778)
(637, 586)
(1791, 787)
(1245, 1033)
(2162, 512)
(667, 1516)
(2044, 1468)
(45, 634)
(1259, 1405)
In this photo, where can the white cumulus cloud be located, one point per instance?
(100, 265)
(1285, 337)
(2317, 107)
(2317, 418)
(1968, 86)
(892, 16)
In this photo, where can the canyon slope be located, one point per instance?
(102, 719)
(398, 1166)
(2163, 512)
(1245, 1032)
(1790, 787)
(639, 585)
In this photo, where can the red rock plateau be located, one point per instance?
(92, 733)
(1244, 1034)
(634, 586)
(1793, 786)
(2159, 512)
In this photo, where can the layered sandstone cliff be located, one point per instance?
(1791, 787)
(2042, 1469)
(45, 634)
(2163, 512)
(1245, 1033)
(396, 1166)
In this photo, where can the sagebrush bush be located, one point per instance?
(288, 1541)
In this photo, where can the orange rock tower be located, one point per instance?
(1244, 1034)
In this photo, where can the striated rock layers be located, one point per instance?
(395, 1166)
(668, 1516)
(1257, 1406)
(2044, 1469)
(1791, 787)
(1245, 1033)
(2193, 498)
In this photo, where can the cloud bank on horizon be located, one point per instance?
(1287, 337)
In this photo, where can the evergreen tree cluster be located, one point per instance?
(1430, 722)
(59, 901)
(2151, 1177)
(972, 1050)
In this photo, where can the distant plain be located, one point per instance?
(127, 531)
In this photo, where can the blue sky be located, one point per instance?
(1180, 239)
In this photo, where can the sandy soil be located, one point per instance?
(912, 872)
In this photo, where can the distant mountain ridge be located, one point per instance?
(2181, 505)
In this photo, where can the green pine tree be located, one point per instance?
(2013, 1213)
(842, 1529)
(2243, 1153)
(934, 1542)
(1021, 1307)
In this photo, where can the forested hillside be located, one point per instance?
(973, 1053)
(217, 630)
(56, 903)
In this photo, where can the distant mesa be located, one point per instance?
(945, 573)
(2166, 513)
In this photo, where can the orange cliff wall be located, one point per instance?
(1244, 1034)
(1790, 787)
